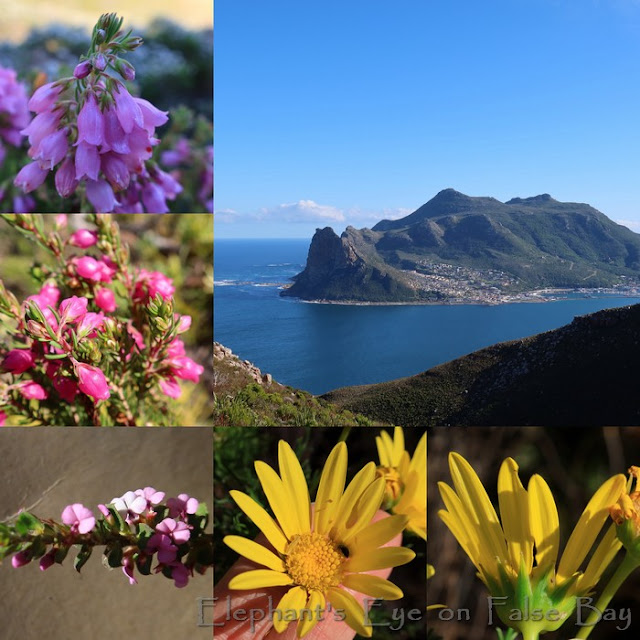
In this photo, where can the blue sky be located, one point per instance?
(338, 112)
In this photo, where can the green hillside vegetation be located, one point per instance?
(538, 242)
(583, 374)
(239, 401)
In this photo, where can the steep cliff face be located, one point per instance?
(346, 268)
(328, 254)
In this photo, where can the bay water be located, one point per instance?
(319, 347)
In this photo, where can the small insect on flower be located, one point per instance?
(343, 550)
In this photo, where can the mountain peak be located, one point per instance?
(543, 198)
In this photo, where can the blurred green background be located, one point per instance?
(573, 461)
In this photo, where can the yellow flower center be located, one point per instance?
(395, 486)
(314, 562)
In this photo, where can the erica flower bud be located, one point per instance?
(184, 323)
(17, 361)
(30, 177)
(83, 238)
(82, 70)
(32, 391)
(47, 560)
(91, 380)
(106, 300)
(125, 69)
(20, 559)
(88, 268)
(66, 387)
(100, 62)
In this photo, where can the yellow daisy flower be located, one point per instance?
(321, 554)
(406, 479)
(516, 558)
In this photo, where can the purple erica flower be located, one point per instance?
(96, 137)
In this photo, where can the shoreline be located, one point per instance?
(539, 296)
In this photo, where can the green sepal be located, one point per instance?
(83, 555)
(38, 547)
(113, 556)
(144, 533)
(60, 555)
(560, 593)
(144, 565)
(119, 520)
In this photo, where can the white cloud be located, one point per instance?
(301, 211)
(308, 211)
(226, 215)
(634, 225)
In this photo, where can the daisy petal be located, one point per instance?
(372, 586)
(595, 514)
(279, 501)
(365, 509)
(352, 494)
(353, 612)
(288, 608)
(331, 487)
(378, 533)
(254, 551)
(259, 579)
(380, 559)
(262, 519)
(398, 445)
(385, 449)
(316, 604)
(296, 484)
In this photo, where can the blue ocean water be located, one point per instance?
(319, 347)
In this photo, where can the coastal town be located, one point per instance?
(454, 284)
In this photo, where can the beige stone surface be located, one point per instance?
(46, 468)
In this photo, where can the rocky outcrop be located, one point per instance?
(224, 354)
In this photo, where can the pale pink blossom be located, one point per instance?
(79, 518)
(176, 530)
(182, 505)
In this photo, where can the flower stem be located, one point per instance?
(344, 434)
(622, 573)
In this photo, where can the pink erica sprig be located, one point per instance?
(100, 342)
(137, 531)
